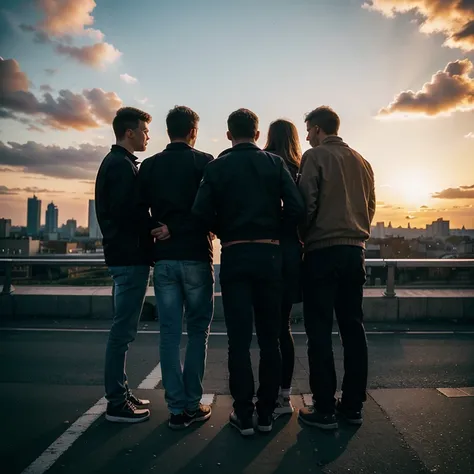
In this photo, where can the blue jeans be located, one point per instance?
(188, 285)
(130, 285)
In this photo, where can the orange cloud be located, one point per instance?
(96, 55)
(65, 17)
(90, 109)
(462, 192)
(453, 18)
(448, 91)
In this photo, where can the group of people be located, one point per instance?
(292, 228)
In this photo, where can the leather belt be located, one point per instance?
(254, 241)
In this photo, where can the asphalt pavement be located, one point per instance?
(51, 393)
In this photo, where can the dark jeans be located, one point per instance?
(129, 290)
(333, 282)
(287, 347)
(250, 279)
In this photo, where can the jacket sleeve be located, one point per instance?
(309, 184)
(372, 198)
(204, 206)
(126, 206)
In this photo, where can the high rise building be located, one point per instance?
(51, 221)
(71, 227)
(5, 226)
(94, 230)
(33, 217)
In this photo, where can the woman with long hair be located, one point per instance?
(283, 140)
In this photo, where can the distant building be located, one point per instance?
(24, 247)
(58, 247)
(438, 228)
(33, 216)
(94, 230)
(5, 228)
(379, 231)
(51, 220)
(71, 227)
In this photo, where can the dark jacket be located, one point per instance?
(168, 185)
(241, 195)
(123, 220)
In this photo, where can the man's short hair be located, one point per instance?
(243, 123)
(180, 121)
(128, 118)
(325, 118)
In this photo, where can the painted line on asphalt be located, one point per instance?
(64, 442)
(153, 378)
(218, 333)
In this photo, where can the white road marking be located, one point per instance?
(152, 379)
(64, 442)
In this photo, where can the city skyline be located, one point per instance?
(405, 100)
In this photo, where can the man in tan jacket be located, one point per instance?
(337, 185)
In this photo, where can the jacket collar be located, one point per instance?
(333, 140)
(178, 146)
(241, 147)
(122, 150)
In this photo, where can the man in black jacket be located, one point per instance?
(125, 226)
(240, 200)
(183, 274)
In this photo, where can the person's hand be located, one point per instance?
(213, 236)
(161, 233)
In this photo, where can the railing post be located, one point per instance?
(7, 284)
(390, 290)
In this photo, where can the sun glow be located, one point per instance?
(414, 189)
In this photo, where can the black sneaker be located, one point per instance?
(311, 417)
(265, 423)
(126, 413)
(178, 422)
(244, 425)
(203, 413)
(138, 402)
(353, 417)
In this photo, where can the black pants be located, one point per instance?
(287, 347)
(250, 279)
(333, 282)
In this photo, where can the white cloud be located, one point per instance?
(143, 101)
(128, 79)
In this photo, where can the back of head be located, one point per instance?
(180, 121)
(128, 118)
(243, 124)
(325, 118)
(284, 141)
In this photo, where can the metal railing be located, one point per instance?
(92, 260)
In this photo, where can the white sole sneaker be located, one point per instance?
(123, 419)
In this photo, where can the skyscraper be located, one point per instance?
(51, 222)
(33, 217)
(94, 230)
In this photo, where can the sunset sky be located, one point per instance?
(398, 72)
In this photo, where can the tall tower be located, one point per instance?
(94, 230)
(51, 222)
(33, 217)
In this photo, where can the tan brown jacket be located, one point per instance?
(337, 185)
